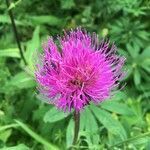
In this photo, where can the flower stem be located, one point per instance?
(15, 32)
(76, 127)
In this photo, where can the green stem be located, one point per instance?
(131, 139)
(15, 32)
(14, 125)
(76, 127)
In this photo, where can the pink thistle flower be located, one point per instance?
(80, 70)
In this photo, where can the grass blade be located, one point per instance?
(36, 136)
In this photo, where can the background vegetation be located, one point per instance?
(26, 123)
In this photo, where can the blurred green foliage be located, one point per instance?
(120, 124)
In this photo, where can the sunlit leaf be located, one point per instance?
(5, 135)
(116, 107)
(11, 52)
(111, 124)
(22, 80)
(54, 115)
(32, 47)
(18, 147)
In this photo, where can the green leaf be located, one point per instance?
(111, 124)
(146, 53)
(116, 107)
(137, 77)
(10, 52)
(2, 128)
(70, 133)
(82, 120)
(91, 126)
(140, 141)
(119, 96)
(22, 80)
(84, 128)
(136, 139)
(5, 135)
(13, 5)
(143, 34)
(6, 19)
(35, 136)
(144, 60)
(32, 46)
(46, 19)
(18, 147)
(54, 115)
(133, 50)
(67, 4)
(148, 144)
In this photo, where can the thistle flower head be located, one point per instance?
(78, 70)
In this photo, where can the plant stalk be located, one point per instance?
(76, 127)
(15, 32)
